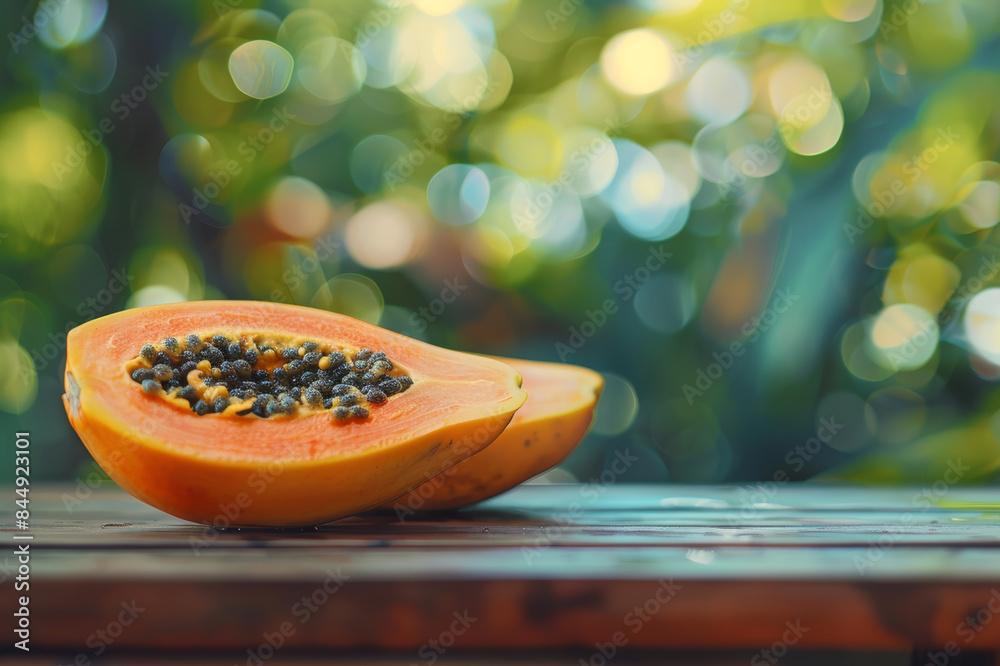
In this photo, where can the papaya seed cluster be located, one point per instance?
(246, 376)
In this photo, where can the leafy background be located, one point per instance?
(770, 225)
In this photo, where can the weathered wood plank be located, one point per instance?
(863, 569)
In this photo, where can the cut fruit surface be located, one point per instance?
(295, 466)
(555, 418)
(264, 376)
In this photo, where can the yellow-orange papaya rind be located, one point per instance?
(553, 421)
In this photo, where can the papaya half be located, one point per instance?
(555, 418)
(233, 413)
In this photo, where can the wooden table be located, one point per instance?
(546, 573)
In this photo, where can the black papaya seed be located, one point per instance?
(142, 374)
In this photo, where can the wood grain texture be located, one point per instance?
(540, 567)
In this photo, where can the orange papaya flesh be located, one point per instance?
(299, 468)
(555, 418)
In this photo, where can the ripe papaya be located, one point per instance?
(235, 413)
(555, 418)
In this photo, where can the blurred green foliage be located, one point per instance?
(771, 225)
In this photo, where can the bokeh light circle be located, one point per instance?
(589, 160)
(677, 160)
(719, 92)
(63, 23)
(551, 216)
(854, 354)
(618, 406)
(389, 56)
(91, 66)
(638, 62)
(304, 25)
(850, 10)
(902, 337)
(458, 194)
(982, 324)
(372, 159)
(154, 294)
(665, 303)
(298, 207)
(438, 7)
(980, 204)
(19, 380)
(351, 294)
(261, 69)
(895, 414)
(385, 234)
(531, 146)
(331, 68)
(648, 202)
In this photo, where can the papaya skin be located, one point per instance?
(291, 471)
(555, 418)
